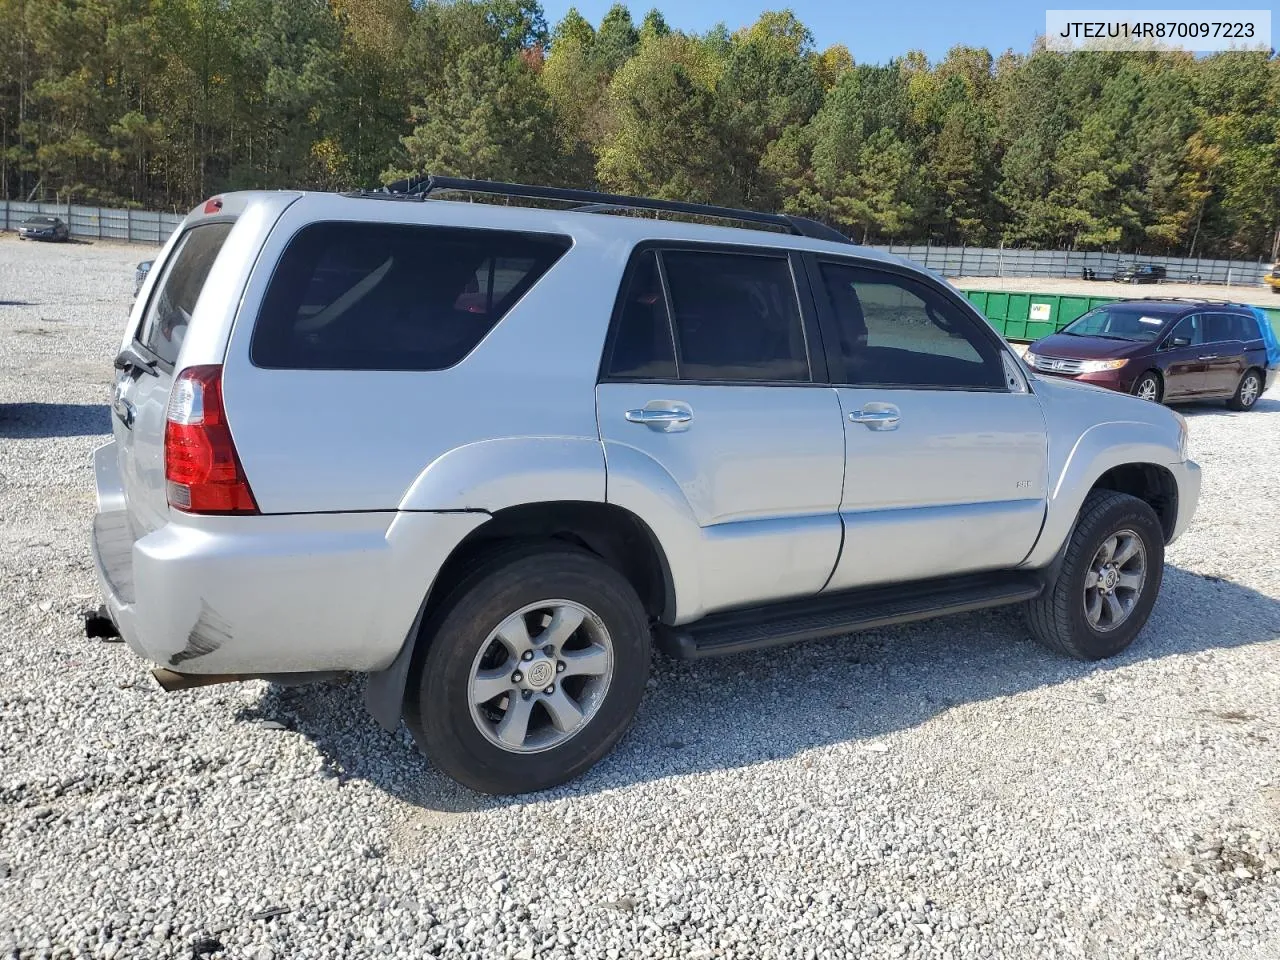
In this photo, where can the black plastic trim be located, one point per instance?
(833, 615)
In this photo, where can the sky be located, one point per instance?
(874, 33)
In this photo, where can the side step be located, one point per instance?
(833, 615)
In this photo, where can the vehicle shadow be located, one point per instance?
(1217, 408)
(847, 690)
(29, 421)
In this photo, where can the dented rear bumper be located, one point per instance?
(268, 594)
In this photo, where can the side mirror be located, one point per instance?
(1179, 342)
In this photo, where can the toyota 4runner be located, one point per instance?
(489, 453)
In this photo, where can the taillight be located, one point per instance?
(201, 468)
(213, 205)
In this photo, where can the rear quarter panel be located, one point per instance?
(327, 440)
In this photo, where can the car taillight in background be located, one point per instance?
(201, 468)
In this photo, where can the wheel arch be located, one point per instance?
(617, 536)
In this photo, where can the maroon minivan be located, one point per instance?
(1163, 350)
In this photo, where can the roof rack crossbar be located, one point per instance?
(419, 188)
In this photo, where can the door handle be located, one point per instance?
(1212, 356)
(660, 418)
(886, 419)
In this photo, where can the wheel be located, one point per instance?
(1247, 392)
(1149, 387)
(537, 661)
(1108, 582)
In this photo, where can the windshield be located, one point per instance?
(1116, 323)
(43, 220)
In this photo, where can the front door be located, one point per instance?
(709, 401)
(1182, 360)
(946, 458)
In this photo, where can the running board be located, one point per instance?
(833, 615)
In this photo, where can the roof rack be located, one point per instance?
(591, 201)
(1224, 303)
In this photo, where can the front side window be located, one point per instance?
(1188, 333)
(381, 296)
(736, 317)
(895, 331)
(165, 323)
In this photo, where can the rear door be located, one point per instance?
(713, 384)
(1182, 361)
(1224, 353)
(148, 361)
(946, 455)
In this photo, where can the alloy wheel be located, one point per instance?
(540, 676)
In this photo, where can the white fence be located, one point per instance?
(96, 223)
(1000, 262)
(146, 226)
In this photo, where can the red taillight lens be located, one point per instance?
(213, 205)
(202, 470)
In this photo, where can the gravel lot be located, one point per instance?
(942, 790)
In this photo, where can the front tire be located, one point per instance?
(1108, 582)
(538, 660)
(1149, 387)
(1247, 391)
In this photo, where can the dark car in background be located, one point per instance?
(1139, 273)
(140, 275)
(1166, 350)
(43, 227)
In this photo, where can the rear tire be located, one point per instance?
(1095, 608)
(1149, 387)
(578, 687)
(1247, 391)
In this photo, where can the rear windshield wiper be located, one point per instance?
(130, 359)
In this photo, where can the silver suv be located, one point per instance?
(489, 453)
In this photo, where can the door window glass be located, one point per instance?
(894, 331)
(642, 346)
(737, 317)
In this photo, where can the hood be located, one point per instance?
(1088, 348)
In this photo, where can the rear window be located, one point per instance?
(165, 323)
(370, 296)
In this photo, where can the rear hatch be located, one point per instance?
(182, 315)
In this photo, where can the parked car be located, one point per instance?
(1166, 350)
(140, 275)
(43, 227)
(490, 453)
(1272, 279)
(1139, 273)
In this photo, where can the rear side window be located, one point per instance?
(1244, 328)
(165, 323)
(374, 296)
(736, 317)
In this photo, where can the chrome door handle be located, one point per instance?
(660, 418)
(876, 419)
(1212, 356)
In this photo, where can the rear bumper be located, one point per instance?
(267, 594)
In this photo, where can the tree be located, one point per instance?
(494, 122)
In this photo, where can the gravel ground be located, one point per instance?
(939, 790)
